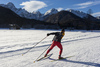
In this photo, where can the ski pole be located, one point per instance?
(41, 54)
(34, 46)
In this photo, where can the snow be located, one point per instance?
(78, 13)
(51, 11)
(83, 45)
(37, 15)
(98, 17)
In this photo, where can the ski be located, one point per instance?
(43, 57)
(60, 59)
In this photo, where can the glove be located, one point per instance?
(48, 34)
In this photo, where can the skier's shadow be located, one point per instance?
(80, 62)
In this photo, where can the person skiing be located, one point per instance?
(56, 42)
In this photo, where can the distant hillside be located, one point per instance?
(67, 19)
(9, 17)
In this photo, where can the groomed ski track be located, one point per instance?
(85, 45)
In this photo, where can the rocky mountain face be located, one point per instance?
(51, 11)
(19, 11)
(78, 13)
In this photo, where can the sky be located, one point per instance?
(45, 5)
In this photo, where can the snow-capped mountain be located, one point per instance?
(21, 12)
(37, 15)
(51, 11)
(98, 17)
(78, 13)
(10, 6)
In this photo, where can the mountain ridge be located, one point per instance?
(68, 19)
(7, 17)
(63, 18)
(38, 15)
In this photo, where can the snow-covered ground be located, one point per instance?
(84, 46)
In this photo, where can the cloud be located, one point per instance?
(31, 6)
(87, 4)
(96, 14)
(59, 9)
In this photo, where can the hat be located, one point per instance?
(63, 29)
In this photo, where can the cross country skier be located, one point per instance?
(56, 42)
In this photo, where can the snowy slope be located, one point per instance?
(51, 11)
(78, 13)
(98, 17)
(84, 45)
